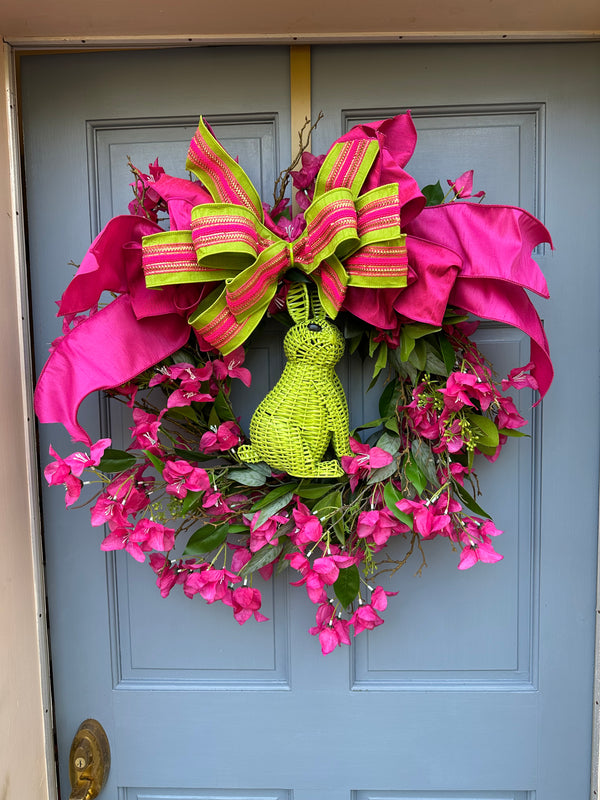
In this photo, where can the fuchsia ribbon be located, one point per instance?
(475, 257)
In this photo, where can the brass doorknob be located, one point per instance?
(89, 761)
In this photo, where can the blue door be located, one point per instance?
(479, 685)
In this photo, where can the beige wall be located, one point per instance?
(22, 752)
(230, 20)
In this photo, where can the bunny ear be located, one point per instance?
(315, 303)
(298, 303)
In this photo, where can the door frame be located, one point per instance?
(23, 619)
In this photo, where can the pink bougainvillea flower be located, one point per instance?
(246, 603)
(332, 630)
(457, 392)
(211, 584)
(451, 436)
(456, 471)
(188, 393)
(80, 461)
(108, 510)
(508, 416)
(519, 378)
(463, 186)
(155, 535)
(226, 436)
(367, 458)
(365, 618)
(304, 179)
(59, 472)
(379, 598)
(126, 538)
(478, 550)
(377, 526)
(230, 366)
(429, 518)
(309, 528)
(145, 431)
(422, 414)
(265, 533)
(130, 489)
(169, 573)
(182, 477)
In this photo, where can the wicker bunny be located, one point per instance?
(293, 426)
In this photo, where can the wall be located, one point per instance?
(22, 750)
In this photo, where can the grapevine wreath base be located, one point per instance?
(374, 265)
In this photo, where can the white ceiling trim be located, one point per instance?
(128, 42)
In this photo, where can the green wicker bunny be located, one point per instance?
(306, 410)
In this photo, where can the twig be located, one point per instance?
(283, 179)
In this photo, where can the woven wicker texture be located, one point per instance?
(306, 410)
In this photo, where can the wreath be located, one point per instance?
(210, 505)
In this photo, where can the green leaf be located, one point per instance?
(486, 449)
(283, 563)
(407, 344)
(329, 507)
(116, 460)
(205, 539)
(372, 346)
(433, 360)
(190, 501)
(313, 492)
(347, 585)
(223, 408)
(261, 558)
(469, 501)
(274, 494)
(433, 194)
(273, 508)
(155, 460)
(193, 455)
(391, 424)
(327, 504)
(247, 477)
(392, 495)
(381, 361)
(487, 432)
(418, 357)
(261, 468)
(382, 473)
(375, 423)
(354, 343)
(415, 475)
(389, 399)
(447, 351)
(187, 412)
(416, 330)
(424, 458)
(391, 444)
(511, 432)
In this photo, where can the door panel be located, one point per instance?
(466, 691)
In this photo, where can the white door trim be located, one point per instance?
(10, 158)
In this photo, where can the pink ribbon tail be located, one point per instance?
(502, 302)
(492, 241)
(105, 351)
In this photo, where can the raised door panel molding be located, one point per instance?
(162, 641)
(462, 644)
(443, 795)
(252, 139)
(502, 143)
(204, 794)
